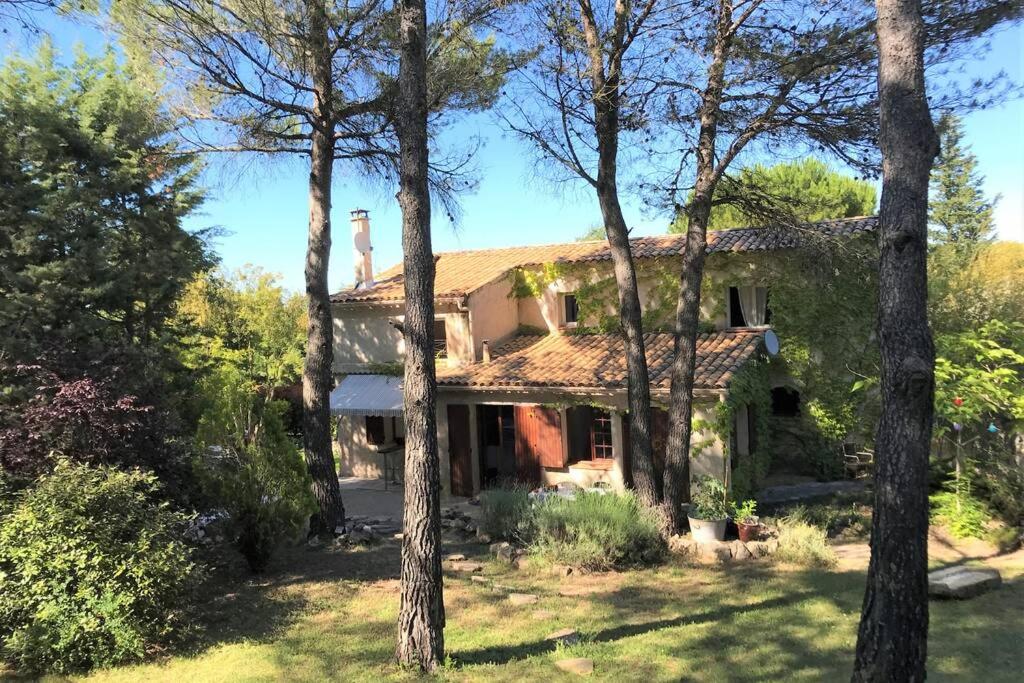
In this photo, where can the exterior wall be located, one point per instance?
(545, 312)
(711, 460)
(365, 335)
(493, 315)
(459, 335)
(356, 458)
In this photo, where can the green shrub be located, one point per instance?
(252, 468)
(506, 514)
(959, 510)
(803, 543)
(92, 570)
(711, 500)
(597, 531)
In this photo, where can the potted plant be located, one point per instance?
(708, 511)
(747, 523)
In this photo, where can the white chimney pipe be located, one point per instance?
(362, 248)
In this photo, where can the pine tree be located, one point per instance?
(807, 189)
(959, 212)
(93, 255)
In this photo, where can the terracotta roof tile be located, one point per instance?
(461, 272)
(597, 361)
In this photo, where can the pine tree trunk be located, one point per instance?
(317, 379)
(606, 118)
(680, 412)
(421, 616)
(638, 382)
(893, 634)
(680, 409)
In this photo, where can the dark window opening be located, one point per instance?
(736, 318)
(375, 430)
(572, 309)
(735, 310)
(785, 402)
(498, 436)
(440, 339)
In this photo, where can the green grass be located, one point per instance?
(330, 615)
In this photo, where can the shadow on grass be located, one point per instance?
(235, 605)
(640, 599)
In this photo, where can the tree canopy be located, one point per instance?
(958, 210)
(93, 181)
(808, 190)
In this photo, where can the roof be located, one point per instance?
(368, 395)
(592, 361)
(459, 273)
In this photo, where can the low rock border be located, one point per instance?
(722, 551)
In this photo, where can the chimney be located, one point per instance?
(485, 351)
(362, 249)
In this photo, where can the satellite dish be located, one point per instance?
(362, 242)
(771, 342)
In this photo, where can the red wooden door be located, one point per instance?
(460, 454)
(538, 441)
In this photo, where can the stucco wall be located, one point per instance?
(364, 335)
(355, 458)
(493, 314)
(459, 336)
(545, 311)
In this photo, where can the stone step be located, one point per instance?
(961, 583)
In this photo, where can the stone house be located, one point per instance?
(530, 385)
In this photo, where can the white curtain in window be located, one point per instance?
(753, 304)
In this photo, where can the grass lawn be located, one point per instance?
(330, 615)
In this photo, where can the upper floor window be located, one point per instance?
(570, 309)
(748, 307)
(440, 338)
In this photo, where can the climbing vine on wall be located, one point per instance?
(750, 387)
(597, 294)
(822, 302)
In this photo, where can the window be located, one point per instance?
(572, 309)
(748, 307)
(440, 338)
(785, 402)
(375, 430)
(601, 435)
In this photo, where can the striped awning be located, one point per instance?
(368, 395)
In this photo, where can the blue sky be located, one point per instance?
(262, 205)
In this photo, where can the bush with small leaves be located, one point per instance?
(506, 513)
(597, 531)
(93, 570)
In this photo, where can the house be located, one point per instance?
(531, 376)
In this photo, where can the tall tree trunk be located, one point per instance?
(316, 374)
(893, 634)
(606, 118)
(421, 617)
(638, 382)
(680, 413)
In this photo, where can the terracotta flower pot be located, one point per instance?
(748, 532)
